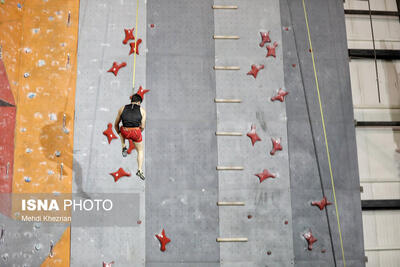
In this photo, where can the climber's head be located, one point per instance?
(136, 99)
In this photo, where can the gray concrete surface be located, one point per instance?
(27, 243)
(269, 202)
(326, 20)
(181, 147)
(99, 95)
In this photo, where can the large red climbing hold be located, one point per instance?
(115, 67)
(131, 146)
(128, 35)
(271, 50)
(264, 38)
(321, 204)
(109, 133)
(142, 91)
(280, 96)
(265, 175)
(255, 69)
(164, 240)
(310, 239)
(135, 47)
(105, 264)
(253, 135)
(276, 145)
(119, 174)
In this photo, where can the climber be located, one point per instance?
(133, 118)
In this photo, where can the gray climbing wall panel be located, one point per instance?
(268, 203)
(181, 147)
(326, 20)
(99, 95)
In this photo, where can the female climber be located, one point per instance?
(133, 118)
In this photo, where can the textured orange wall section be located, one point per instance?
(39, 41)
(61, 252)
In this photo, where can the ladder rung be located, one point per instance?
(234, 37)
(222, 203)
(224, 7)
(226, 68)
(228, 134)
(222, 100)
(232, 239)
(230, 168)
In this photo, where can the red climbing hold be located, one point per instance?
(109, 133)
(107, 264)
(131, 146)
(321, 204)
(253, 135)
(280, 96)
(310, 239)
(115, 68)
(271, 50)
(151, 25)
(128, 35)
(135, 47)
(276, 143)
(264, 38)
(164, 240)
(255, 69)
(119, 174)
(142, 91)
(264, 175)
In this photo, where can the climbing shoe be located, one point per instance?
(124, 152)
(140, 174)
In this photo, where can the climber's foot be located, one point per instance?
(124, 152)
(140, 174)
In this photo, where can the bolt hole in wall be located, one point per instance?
(376, 97)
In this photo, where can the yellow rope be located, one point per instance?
(324, 129)
(134, 54)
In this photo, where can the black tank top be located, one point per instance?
(131, 116)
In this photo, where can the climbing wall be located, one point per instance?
(38, 41)
(249, 74)
(309, 169)
(181, 146)
(100, 91)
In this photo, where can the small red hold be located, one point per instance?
(164, 240)
(139, 222)
(119, 174)
(323, 250)
(152, 25)
(272, 50)
(131, 146)
(249, 216)
(253, 135)
(128, 35)
(115, 68)
(310, 239)
(286, 222)
(255, 69)
(108, 264)
(269, 252)
(135, 47)
(321, 204)
(293, 65)
(264, 175)
(280, 96)
(264, 38)
(109, 133)
(309, 50)
(142, 91)
(286, 28)
(276, 145)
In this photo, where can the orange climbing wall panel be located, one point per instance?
(39, 39)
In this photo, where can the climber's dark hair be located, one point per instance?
(136, 98)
